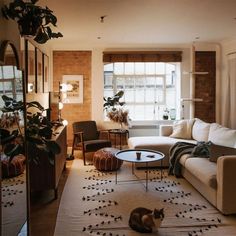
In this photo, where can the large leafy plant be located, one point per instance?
(112, 103)
(39, 129)
(113, 107)
(33, 20)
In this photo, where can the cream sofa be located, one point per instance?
(216, 181)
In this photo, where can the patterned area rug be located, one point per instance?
(93, 204)
(13, 204)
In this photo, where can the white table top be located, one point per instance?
(146, 155)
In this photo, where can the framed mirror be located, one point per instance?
(13, 164)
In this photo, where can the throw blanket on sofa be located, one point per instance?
(176, 151)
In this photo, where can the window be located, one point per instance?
(149, 87)
(10, 82)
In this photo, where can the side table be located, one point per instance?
(118, 134)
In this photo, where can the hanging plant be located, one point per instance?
(33, 20)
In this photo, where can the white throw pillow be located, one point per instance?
(182, 129)
(200, 131)
(221, 135)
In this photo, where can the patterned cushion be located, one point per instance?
(105, 160)
(14, 168)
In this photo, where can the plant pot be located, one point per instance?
(28, 28)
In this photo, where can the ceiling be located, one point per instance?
(143, 22)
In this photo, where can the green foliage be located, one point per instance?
(38, 128)
(32, 19)
(113, 102)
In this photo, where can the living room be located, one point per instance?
(94, 31)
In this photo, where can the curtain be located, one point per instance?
(229, 116)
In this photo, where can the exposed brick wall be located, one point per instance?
(73, 63)
(205, 85)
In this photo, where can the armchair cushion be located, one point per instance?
(94, 145)
(89, 129)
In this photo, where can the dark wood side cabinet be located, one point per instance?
(44, 175)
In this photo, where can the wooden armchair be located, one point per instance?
(86, 138)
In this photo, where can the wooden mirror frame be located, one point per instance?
(3, 48)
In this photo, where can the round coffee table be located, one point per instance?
(140, 156)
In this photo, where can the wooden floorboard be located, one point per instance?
(43, 209)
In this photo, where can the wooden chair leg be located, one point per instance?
(73, 146)
(84, 158)
(83, 152)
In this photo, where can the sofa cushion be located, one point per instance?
(182, 129)
(158, 143)
(217, 151)
(200, 130)
(202, 169)
(222, 136)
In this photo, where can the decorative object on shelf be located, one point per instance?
(166, 114)
(172, 113)
(33, 20)
(114, 110)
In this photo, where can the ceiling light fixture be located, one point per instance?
(102, 18)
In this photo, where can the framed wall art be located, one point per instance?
(31, 67)
(75, 83)
(39, 71)
(45, 73)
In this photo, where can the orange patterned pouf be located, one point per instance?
(105, 160)
(14, 168)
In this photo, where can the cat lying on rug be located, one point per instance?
(144, 220)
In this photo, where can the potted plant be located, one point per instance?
(114, 110)
(38, 131)
(33, 20)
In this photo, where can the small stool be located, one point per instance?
(16, 167)
(105, 160)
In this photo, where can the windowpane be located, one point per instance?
(160, 82)
(149, 88)
(108, 78)
(160, 96)
(139, 95)
(108, 67)
(169, 68)
(139, 68)
(160, 68)
(139, 83)
(150, 82)
(8, 72)
(139, 112)
(150, 68)
(129, 95)
(108, 93)
(170, 94)
(118, 68)
(129, 68)
(129, 83)
(120, 83)
(149, 112)
(150, 95)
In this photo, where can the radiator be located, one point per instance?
(144, 130)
